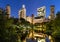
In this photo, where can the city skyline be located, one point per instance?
(31, 6)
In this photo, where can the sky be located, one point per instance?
(31, 6)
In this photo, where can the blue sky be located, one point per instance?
(31, 6)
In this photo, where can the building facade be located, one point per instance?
(28, 18)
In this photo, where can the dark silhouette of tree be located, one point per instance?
(56, 25)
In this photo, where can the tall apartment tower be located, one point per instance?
(52, 12)
(8, 11)
(22, 12)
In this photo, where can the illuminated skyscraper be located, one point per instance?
(41, 11)
(22, 12)
(8, 11)
(41, 14)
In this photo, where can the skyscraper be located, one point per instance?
(52, 13)
(41, 11)
(41, 14)
(8, 11)
(22, 12)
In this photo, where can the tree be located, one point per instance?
(49, 28)
(56, 25)
(7, 32)
(24, 26)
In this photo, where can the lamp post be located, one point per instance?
(32, 25)
(42, 27)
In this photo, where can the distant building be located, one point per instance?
(40, 15)
(29, 18)
(38, 20)
(41, 12)
(52, 12)
(22, 12)
(8, 11)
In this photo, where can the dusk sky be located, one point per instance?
(31, 6)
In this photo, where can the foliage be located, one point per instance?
(53, 27)
(56, 26)
(7, 33)
(49, 28)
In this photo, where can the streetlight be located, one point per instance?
(42, 27)
(32, 25)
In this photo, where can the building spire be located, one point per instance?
(23, 6)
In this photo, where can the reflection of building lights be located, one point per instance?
(40, 29)
(50, 37)
(41, 40)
